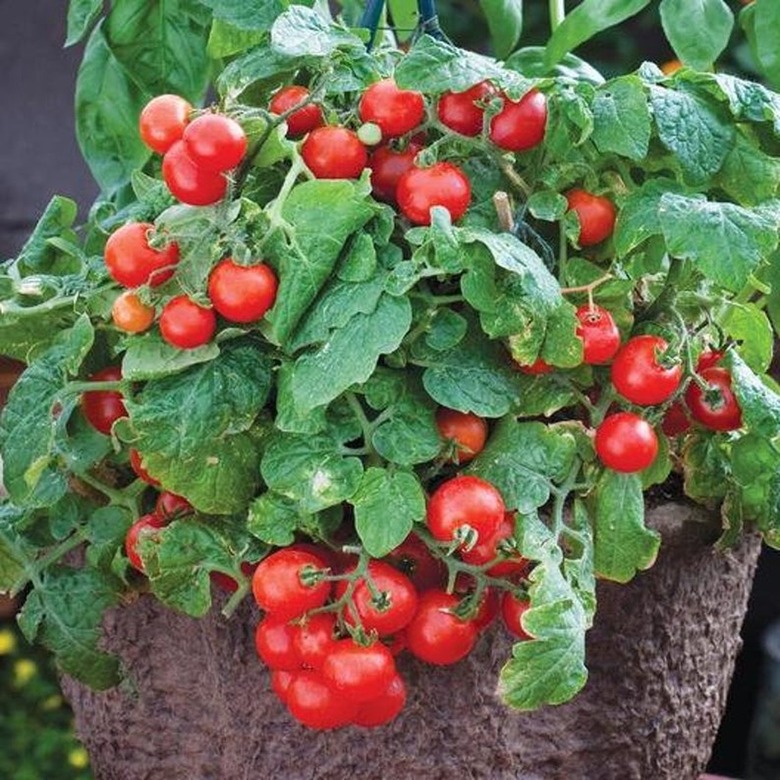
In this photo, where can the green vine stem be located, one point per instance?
(557, 13)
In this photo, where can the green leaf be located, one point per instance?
(698, 30)
(82, 14)
(350, 354)
(621, 118)
(310, 470)
(550, 668)
(638, 218)
(16, 555)
(106, 530)
(693, 130)
(108, 104)
(434, 66)
(261, 64)
(749, 175)
(748, 324)
(302, 31)
(759, 403)
(387, 504)
(259, 15)
(162, 44)
(305, 266)
(148, 356)
(65, 614)
(446, 330)
(38, 256)
(767, 33)
(176, 415)
(274, 519)
(505, 22)
(524, 460)
(706, 468)
(226, 40)
(28, 424)
(624, 545)
(530, 61)
(756, 469)
(727, 242)
(586, 20)
(405, 16)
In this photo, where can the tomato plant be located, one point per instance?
(391, 332)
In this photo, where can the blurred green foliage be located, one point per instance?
(36, 724)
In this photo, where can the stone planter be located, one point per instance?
(660, 656)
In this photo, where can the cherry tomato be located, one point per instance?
(539, 366)
(186, 324)
(190, 183)
(334, 153)
(384, 708)
(315, 704)
(716, 407)
(676, 420)
(274, 642)
(132, 262)
(387, 166)
(313, 639)
(413, 558)
(215, 142)
(358, 671)
(595, 213)
(438, 636)
(512, 611)
(625, 442)
(304, 119)
(242, 293)
(490, 549)
(487, 609)
(639, 376)
(169, 506)
(464, 501)
(443, 184)
(163, 120)
(136, 463)
(280, 683)
(279, 584)
(599, 334)
(466, 430)
(520, 124)
(395, 111)
(147, 524)
(103, 408)
(395, 607)
(708, 359)
(131, 314)
(462, 111)
(670, 67)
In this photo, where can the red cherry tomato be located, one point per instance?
(357, 671)
(438, 636)
(280, 682)
(163, 120)
(466, 430)
(395, 607)
(512, 611)
(716, 407)
(185, 324)
(170, 506)
(279, 584)
(443, 184)
(304, 119)
(539, 366)
(708, 359)
(595, 213)
(395, 111)
(599, 334)
(520, 125)
(465, 501)
(384, 708)
(490, 549)
(638, 375)
(103, 408)
(136, 463)
(676, 420)
(242, 293)
(147, 524)
(132, 262)
(189, 182)
(487, 610)
(313, 639)
(131, 314)
(315, 704)
(334, 153)
(387, 166)
(274, 642)
(413, 558)
(215, 142)
(462, 112)
(626, 443)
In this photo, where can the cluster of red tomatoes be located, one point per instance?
(333, 623)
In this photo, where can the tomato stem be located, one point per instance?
(557, 14)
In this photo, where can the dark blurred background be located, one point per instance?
(39, 157)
